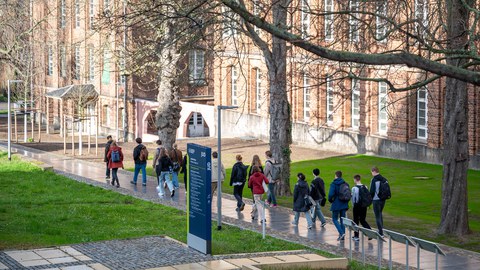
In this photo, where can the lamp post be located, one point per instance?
(219, 171)
(9, 147)
(117, 136)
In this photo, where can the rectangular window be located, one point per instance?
(421, 13)
(230, 25)
(63, 10)
(196, 67)
(63, 62)
(381, 23)
(422, 113)
(234, 78)
(106, 116)
(106, 66)
(329, 101)
(305, 18)
(50, 60)
(306, 98)
(329, 8)
(354, 36)
(76, 72)
(355, 104)
(91, 13)
(382, 108)
(258, 89)
(77, 13)
(91, 64)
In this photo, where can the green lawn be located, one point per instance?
(40, 209)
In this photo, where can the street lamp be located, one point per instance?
(219, 171)
(9, 147)
(117, 136)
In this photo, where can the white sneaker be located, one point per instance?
(158, 189)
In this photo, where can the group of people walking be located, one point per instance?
(309, 200)
(261, 179)
(166, 164)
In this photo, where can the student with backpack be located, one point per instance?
(256, 182)
(361, 199)
(271, 172)
(301, 203)
(339, 195)
(164, 169)
(140, 157)
(105, 158)
(237, 180)
(380, 191)
(115, 161)
(317, 192)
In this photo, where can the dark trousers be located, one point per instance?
(114, 176)
(107, 172)
(359, 216)
(238, 193)
(378, 209)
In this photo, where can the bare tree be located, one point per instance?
(442, 44)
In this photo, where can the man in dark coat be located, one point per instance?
(339, 208)
(318, 194)
(299, 192)
(105, 158)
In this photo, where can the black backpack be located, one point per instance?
(344, 193)
(384, 191)
(364, 197)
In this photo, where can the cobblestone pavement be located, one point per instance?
(278, 219)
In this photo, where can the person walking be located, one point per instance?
(339, 207)
(105, 158)
(140, 157)
(156, 158)
(271, 199)
(256, 183)
(359, 210)
(115, 161)
(300, 191)
(317, 192)
(164, 169)
(378, 204)
(185, 172)
(255, 162)
(177, 159)
(237, 180)
(215, 177)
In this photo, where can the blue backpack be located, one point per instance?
(115, 156)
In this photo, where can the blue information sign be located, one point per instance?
(199, 199)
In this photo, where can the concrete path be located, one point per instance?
(278, 219)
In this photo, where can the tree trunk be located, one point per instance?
(168, 112)
(280, 121)
(454, 214)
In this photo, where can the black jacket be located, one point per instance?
(107, 148)
(239, 173)
(136, 155)
(373, 185)
(165, 164)
(301, 189)
(319, 192)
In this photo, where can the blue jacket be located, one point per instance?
(337, 204)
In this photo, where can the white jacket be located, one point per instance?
(215, 171)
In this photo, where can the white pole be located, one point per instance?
(263, 221)
(9, 147)
(116, 113)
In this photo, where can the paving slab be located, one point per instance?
(267, 259)
(162, 268)
(62, 260)
(290, 258)
(240, 262)
(98, 266)
(34, 262)
(77, 267)
(82, 258)
(190, 266)
(23, 255)
(218, 265)
(71, 251)
(311, 256)
(49, 253)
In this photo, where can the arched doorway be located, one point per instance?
(196, 126)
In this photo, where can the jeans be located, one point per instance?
(317, 212)
(359, 216)
(377, 209)
(139, 167)
(271, 195)
(175, 179)
(165, 176)
(307, 216)
(238, 193)
(114, 176)
(259, 206)
(107, 172)
(339, 224)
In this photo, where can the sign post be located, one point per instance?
(199, 199)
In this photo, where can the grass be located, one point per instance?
(49, 209)
(3, 111)
(414, 208)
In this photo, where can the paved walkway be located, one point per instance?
(278, 219)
